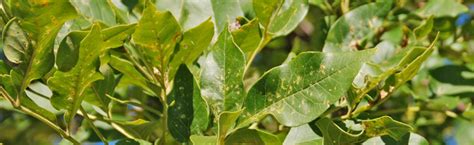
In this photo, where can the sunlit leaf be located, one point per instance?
(96, 10)
(299, 91)
(69, 86)
(248, 38)
(225, 12)
(280, 17)
(194, 42)
(156, 35)
(408, 139)
(222, 75)
(302, 135)
(443, 8)
(355, 26)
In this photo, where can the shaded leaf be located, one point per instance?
(180, 111)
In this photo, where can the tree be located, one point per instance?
(236, 72)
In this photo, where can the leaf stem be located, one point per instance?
(97, 132)
(25, 110)
(152, 110)
(265, 39)
(144, 72)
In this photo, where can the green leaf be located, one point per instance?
(201, 112)
(302, 135)
(103, 88)
(203, 140)
(157, 34)
(49, 16)
(96, 10)
(253, 136)
(444, 102)
(180, 111)
(69, 87)
(4, 68)
(280, 17)
(385, 64)
(408, 139)
(137, 129)
(456, 75)
(127, 68)
(68, 51)
(193, 44)
(442, 8)
(299, 91)
(463, 131)
(133, 142)
(424, 29)
(355, 26)
(248, 38)
(385, 125)
(195, 12)
(333, 134)
(11, 82)
(225, 12)
(410, 66)
(17, 47)
(222, 75)
(226, 122)
(265, 9)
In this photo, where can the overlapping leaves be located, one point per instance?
(208, 97)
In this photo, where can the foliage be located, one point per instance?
(236, 72)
